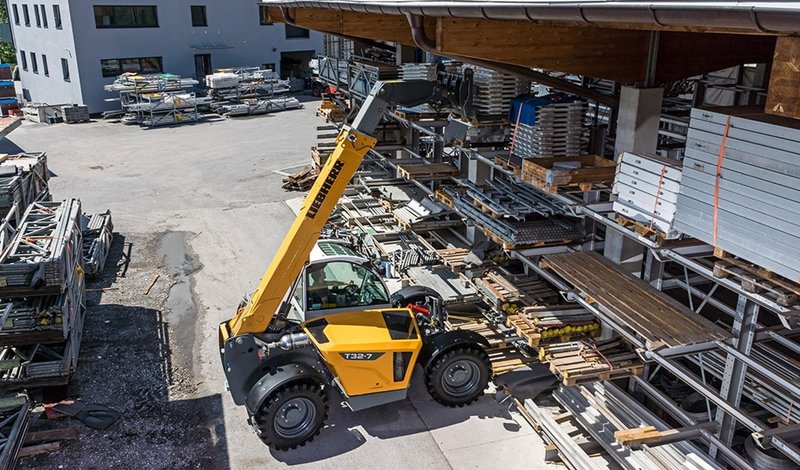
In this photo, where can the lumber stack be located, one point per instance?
(301, 180)
(539, 325)
(647, 193)
(738, 195)
(586, 362)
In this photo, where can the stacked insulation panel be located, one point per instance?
(548, 126)
(494, 91)
(739, 190)
(647, 191)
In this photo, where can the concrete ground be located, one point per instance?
(201, 206)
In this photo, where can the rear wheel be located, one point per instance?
(291, 416)
(459, 376)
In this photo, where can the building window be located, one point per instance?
(199, 15)
(263, 13)
(16, 14)
(36, 14)
(44, 15)
(65, 69)
(126, 16)
(26, 15)
(57, 16)
(116, 67)
(44, 66)
(270, 66)
(23, 59)
(293, 32)
(34, 64)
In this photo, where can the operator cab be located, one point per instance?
(336, 280)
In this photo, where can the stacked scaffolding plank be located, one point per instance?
(549, 126)
(740, 187)
(647, 193)
(97, 231)
(495, 90)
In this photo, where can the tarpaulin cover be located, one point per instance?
(529, 104)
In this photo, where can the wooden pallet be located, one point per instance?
(586, 362)
(504, 357)
(505, 164)
(444, 198)
(507, 245)
(537, 335)
(756, 279)
(454, 258)
(541, 173)
(423, 172)
(514, 293)
(643, 230)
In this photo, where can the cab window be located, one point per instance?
(296, 303)
(341, 284)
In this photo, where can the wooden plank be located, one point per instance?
(63, 434)
(656, 317)
(39, 449)
(783, 94)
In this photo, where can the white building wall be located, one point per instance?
(53, 43)
(233, 38)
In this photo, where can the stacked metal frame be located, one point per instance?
(97, 231)
(15, 410)
(740, 187)
(495, 90)
(23, 179)
(549, 126)
(44, 255)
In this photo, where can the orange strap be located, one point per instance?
(658, 196)
(719, 176)
(514, 135)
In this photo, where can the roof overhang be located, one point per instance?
(610, 40)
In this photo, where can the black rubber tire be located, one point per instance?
(470, 361)
(304, 395)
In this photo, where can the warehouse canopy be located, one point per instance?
(604, 39)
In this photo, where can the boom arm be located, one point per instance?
(352, 145)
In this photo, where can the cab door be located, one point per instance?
(368, 351)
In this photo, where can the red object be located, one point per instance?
(419, 309)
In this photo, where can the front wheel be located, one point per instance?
(291, 416)
(459, 376)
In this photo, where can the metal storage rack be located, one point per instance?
(752, 360)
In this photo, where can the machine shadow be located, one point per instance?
(419, 413)
(8, 146)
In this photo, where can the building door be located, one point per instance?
(202, 65)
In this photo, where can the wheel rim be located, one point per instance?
(461, 378)
(295, 417)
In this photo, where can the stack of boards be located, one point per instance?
(757, 193)
(647, 191)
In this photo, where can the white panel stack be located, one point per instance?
(222, 80)
(418, 72)
(647, 191)
(757, 195)
(494, 90)
(559, 131)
